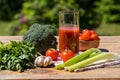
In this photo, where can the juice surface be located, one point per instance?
(69, 38)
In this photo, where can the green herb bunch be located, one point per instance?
(17, 56)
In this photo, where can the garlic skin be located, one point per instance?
(50, 61)
(39, 61)
(43, 61)
(46, 61)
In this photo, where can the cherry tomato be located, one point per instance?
(66, 55)
(85, 31)
(53, 53)
(94, 37)
(92, 32)
(85, 36)
(88, 35)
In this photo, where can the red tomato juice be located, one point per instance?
(69, 38)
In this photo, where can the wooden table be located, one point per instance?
(111, 43)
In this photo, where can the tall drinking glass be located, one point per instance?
(69, 31)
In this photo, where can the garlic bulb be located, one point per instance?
(43, 61)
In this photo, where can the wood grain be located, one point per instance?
(110, 43)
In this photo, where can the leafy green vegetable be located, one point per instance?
(41, 36)
(78, 58)
(17, 56)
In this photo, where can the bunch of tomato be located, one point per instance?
(88, 35)
(65, 55)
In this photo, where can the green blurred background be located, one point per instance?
(16, 16)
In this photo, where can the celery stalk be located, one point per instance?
(78, 58)
(90, 60)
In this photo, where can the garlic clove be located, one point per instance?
(51, 61)
(39, 61)
(36, 60)
(46, 61)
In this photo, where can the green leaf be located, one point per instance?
(17, 56)
(19, 67)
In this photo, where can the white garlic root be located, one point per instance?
(43, 61)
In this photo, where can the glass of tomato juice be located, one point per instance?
(69, 30)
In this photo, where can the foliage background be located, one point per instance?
(16, 16)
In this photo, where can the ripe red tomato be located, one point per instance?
(67, 54)
(88, 35)
(85, 31)
(92, 32)
(94, 37)
(53, 53)
(85, 36)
